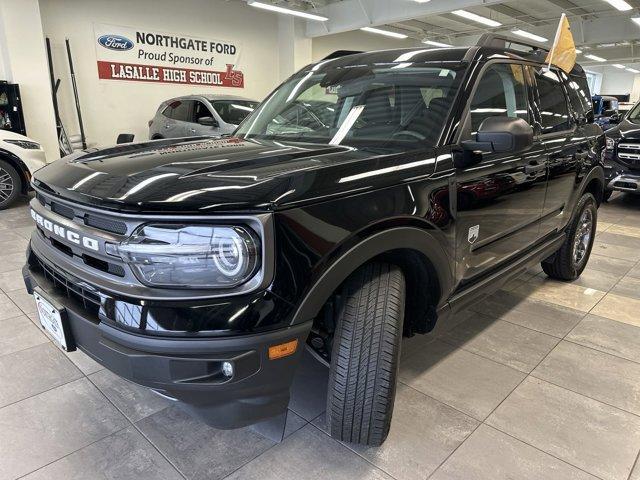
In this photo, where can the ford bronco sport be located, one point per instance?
(368, 197)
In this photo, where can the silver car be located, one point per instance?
(195, 115)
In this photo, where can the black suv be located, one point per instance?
(622, 164)
(368, 197)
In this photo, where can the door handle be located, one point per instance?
(167, 126)
(192, 130)
(534, 168)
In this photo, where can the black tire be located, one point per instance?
(607, 195)
(365, 357)
(563, 265)
(10, 184)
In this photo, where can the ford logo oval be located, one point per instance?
(115, 42)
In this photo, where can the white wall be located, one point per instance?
(614, 81)
(23, 59)
(110, 107)
(356, 40)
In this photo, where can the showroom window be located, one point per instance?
(501, 92)
(554, 111)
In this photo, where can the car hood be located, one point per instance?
(205, 174)
(625, 130)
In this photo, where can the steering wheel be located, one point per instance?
(409, 133)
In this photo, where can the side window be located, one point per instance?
(501, 92)
(181, 110)
(199, 110)
(554, 112)
(167, 111)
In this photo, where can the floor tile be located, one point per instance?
(294, 423)
(597, 279)
(84, 362)
(197, 450)
(134, 401)
(23, 300)
(609, 336)
(609, 264)
(125, 455)
(11, 261)
(11, 280)
(309, 388)
(625, 230)
(31, 371)
(617, 307)
(489, 454)
(628, 287)
(44, 428)
(616, 251)
(309, 454)
(617, 239)
(560, 293)
(463, 380)
(635, 474)
(19, 333)
(598, 375)
(635, 271)
(423, 433)
(8, 309)
(518, 347)
(595, 437)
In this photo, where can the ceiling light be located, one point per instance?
(476, 18)
(633, 70)
(596, 58)
(436, 44)
(636, 19)
(421, 1)
(619, 4)
(288, 11)
(532, 36)
(386, 33)
(617, 65)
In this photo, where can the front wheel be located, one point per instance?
(10, 184)
(365, 357)
(572, 257)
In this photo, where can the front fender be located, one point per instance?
(411, 238)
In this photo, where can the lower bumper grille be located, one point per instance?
(64, 284)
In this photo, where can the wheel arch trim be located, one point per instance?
(398, 238)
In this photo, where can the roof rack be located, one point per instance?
(536, 50)
(341, 53)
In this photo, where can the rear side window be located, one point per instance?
(501, 92)
(179, 110)
(554, 111)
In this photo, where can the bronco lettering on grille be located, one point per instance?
(64, 233)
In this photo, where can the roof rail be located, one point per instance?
(341, 53)
(537, 50)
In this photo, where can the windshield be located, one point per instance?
(634, 114)
(234, 111)
(398, 107)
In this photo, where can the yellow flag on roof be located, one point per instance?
(563, 51)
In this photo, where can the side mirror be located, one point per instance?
(501, 135)
(615, 119)
(207, 122)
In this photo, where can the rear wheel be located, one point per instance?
(10, 184)
(365, 357)
(572, 257)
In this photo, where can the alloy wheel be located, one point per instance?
(6, 185)
(582, 238)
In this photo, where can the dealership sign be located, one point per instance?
(141, 55)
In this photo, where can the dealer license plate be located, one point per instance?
(51, 319)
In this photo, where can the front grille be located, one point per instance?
(629, 154)
(623, 184)
(68, 286)
(107, 224)
(63, 210)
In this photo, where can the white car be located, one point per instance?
(19, 158)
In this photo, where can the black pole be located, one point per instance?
(75, 94)
(54, 86)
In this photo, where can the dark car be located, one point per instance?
(605, 110)
(201, 268)
(622, 165)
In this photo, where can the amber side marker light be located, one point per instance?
(283, 350)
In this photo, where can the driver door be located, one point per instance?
(500, 196)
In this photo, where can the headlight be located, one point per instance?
(192, 256)
(610, 143)
(27, 145)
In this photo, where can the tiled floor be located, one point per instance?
(541, 381)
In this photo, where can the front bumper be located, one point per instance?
(189, 369)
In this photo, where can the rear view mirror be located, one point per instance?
(501, 135)
(207, 121)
